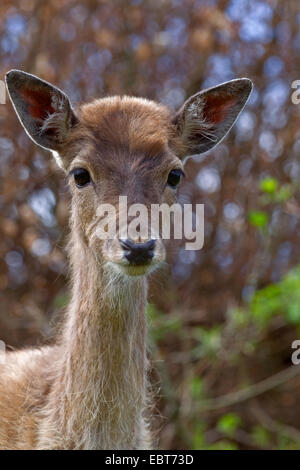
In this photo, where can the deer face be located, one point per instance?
(123, 146)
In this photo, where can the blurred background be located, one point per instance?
(222, 319)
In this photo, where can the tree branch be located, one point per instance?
(251, 391)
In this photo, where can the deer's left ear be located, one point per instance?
(44, 110)
(206, 117)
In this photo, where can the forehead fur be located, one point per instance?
(135, 123)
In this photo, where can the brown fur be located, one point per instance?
(89, 390)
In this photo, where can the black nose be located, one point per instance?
(138, 253)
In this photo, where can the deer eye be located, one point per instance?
(81, 177)
(174, 177)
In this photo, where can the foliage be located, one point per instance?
(282, 298)
(224, 318)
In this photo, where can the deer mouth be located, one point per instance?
(136, 269)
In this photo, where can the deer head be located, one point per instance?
(123, 146)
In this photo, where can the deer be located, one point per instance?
(90, 388)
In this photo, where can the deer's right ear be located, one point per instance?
(44, 110)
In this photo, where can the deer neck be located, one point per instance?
(103, 370)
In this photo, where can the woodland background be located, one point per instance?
(222, 319)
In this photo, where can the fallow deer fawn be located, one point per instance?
(89, 390)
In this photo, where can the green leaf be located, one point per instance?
(282, 298)
(293, 313)
(284, 193)
(198, 436)
(223, 445)
(258, 218)
(228, 424)
(196, 388)
(269, 185)
(261, 436)
(209, 342)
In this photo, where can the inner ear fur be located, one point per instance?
(44, 110)
(206, 117)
